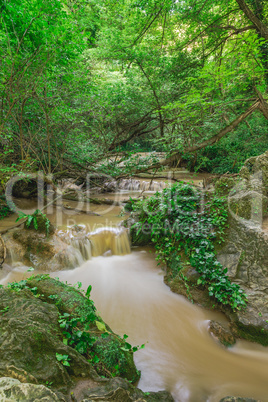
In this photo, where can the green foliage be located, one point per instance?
(127, 76)
(185, 226)
(34, 220)
(4, 208)
(229, 154)
(64, 359)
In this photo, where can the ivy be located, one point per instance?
(187, 227)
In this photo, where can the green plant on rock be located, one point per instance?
(37, 220)
(183, 224)
(64, 359)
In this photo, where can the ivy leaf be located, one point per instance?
(101, 326)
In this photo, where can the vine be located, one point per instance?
(186, 227)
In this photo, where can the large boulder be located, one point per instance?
(109, 348)
(30, 337)
(41, 252)
(255, 168)
(42, 362)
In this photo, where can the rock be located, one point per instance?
(248, 205)
(140, 236)
(107, 348)
(12, 390)
(223, 335)
(252, 323)
(119, 390)
(255, 167)
(41, 252)
(30, 337)
(237, 399)
(245, 254)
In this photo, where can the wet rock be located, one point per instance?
(39, 251)
(223, 335)
(237, 399)
(119, 390)
(252, 323)
(13, 390)
(110, 186)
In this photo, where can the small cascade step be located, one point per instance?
(142, 185)
(97, 243)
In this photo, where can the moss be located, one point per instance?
(72, 301)
(114, 359)
(250, 333)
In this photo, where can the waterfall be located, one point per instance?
(65, 249)
(142, 185)
(115, 240)
(97, 243)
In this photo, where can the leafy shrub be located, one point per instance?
(183, 224)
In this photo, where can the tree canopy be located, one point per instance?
(83, 80)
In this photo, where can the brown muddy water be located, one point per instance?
(179, 354)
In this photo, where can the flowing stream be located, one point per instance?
(130, 295)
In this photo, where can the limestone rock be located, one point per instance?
(252, 323)
(223, 335)
(254, 166)
(119, 390)
(39, 251)
(12, 390)
(237, 399)
(30, 337)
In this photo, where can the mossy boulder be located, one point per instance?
(40, 251)
(249, 205)
(107, 348)
(40, 223)
(30, 337)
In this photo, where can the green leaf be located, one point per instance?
(101, 326)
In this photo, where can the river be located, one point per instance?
(179, 355)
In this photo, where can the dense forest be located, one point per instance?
(84, 82)
(133, 131)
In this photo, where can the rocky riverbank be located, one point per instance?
(55, 347)
(244, 252)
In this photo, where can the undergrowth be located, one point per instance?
(185, 226)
